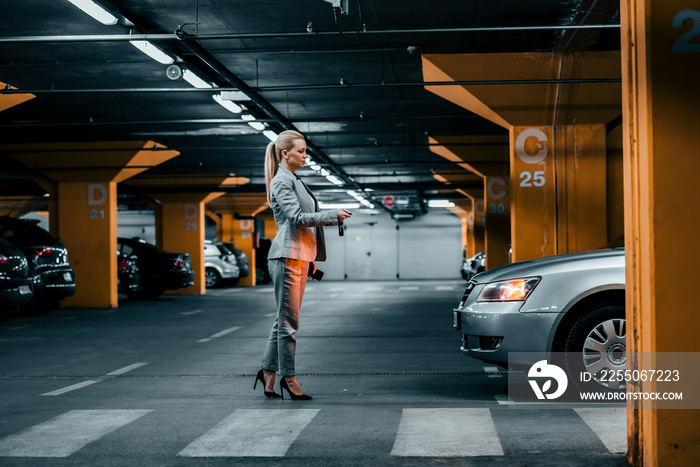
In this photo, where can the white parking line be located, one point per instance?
(126, 369)
(252, 433)
(445, 287)
(446, 433)
(58, 392)
(90, 382)
(610, 425)
(409, 287)
(266, 290)
(67, 433)
(219, 334)
(191, 312)
(17, 328)
(494, 372)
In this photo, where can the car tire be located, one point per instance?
(212, 278)
(596, 344)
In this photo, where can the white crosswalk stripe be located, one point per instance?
(446, 433)
(67, 433)
(421, 432)
(252, 433)
(610, 425)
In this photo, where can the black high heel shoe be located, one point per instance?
(269, 394)
(295, 397)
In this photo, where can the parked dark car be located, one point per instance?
(158, 270)
(241, 259)
(262, 274)
(53, 278)
(473, 266)
(128, 275)
(16, 287)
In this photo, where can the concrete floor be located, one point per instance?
(170, 383)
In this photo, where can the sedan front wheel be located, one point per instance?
(596, 345)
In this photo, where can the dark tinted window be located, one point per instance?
(24, 233)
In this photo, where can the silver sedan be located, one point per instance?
(571, 303)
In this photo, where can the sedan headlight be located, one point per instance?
(508, 291)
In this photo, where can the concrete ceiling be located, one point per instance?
(358, 96)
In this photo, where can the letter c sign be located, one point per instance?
(520, 146)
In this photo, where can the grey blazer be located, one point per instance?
(299, 223)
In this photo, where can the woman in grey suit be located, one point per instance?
(299, 243)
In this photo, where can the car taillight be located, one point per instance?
(178, 264)
(44, 252)
(4, 260)
(124, 266)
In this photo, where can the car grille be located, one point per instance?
(470, 287)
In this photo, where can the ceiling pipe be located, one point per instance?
(308, 87)
(268, 35)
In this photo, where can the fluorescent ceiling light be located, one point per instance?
(152, 51)
(325, 173)
(251, 121)
(334, 180)
(315, 167)
(228, 105)
(195, 80)
(96, 11)
(440, 203)
(271, 135)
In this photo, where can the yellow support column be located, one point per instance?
(662, 216)
(497, 218)
(533, 195)
(81, 179)
(183, 229)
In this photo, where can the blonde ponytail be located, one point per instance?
(285, 142)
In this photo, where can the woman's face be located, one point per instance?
(296, 157)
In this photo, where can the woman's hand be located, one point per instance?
(343, 214)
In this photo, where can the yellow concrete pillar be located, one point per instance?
(81, 179)
(581, 188)
(476, 238)
(662, 216)
(183, 231)
(244, 239)
(497, 218)
(90, 208)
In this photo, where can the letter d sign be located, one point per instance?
(96, 194)
(191, 211)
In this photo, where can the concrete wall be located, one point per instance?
(374, 247)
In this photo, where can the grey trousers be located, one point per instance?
(289, 279)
